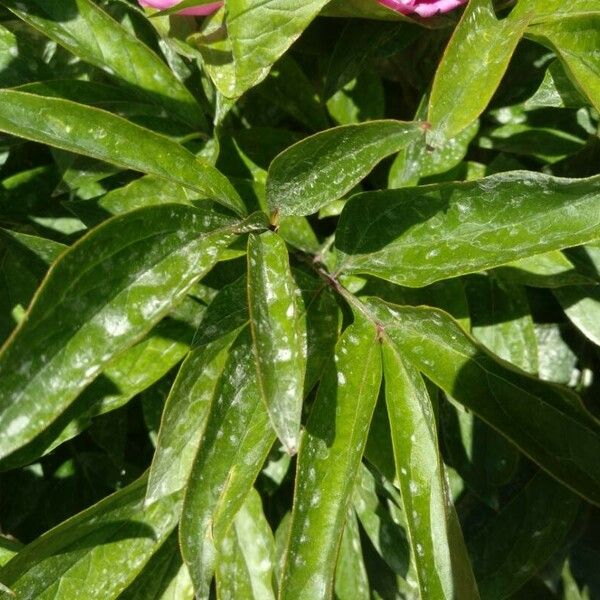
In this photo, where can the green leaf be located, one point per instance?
(226, 313)
(92, 35)
(184, 418)
(234, 445)
(145, 191)
(546, 422)
(551, 269)
(164, 577)
(246, 555)
(388, 537)
(102, 135)
(548, 10)
(513, 546)
(471, 69)
(418, 159)
(73, 559)
(362, 99)
(101, 297)
(501, 320)
(8, 548)
(330, 451)
(351, 581)
(24, 262)
(449, 295)
(322, 168)
(260, 32)
(126, 375)
(322, 323)
(278, 324)
(289, 88)
(558, 361)
(482, 457)
(359, 8)
(416, 236)
(229, 310)
(438, 549)
(581, 304)
(556, 90)
(575, 39)
(358, 43)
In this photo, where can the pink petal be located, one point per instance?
(206, 9)
(423, 8)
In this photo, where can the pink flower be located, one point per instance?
(423, 8)
(205, 9)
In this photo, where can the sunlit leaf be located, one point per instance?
(278, 324)
(235, 442)
(100, 298)
(323, 167)
(415, 236)
(330, 451)
(102, 135)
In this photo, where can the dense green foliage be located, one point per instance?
(300, 300)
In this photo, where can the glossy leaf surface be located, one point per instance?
(90, 33)
(109, 288)
(328, 461)
(471, 68)
(184, 418)
(235, 442)
(85, 547)
(99, 134)
(417, 236)
(260, 32)
(245, 566)
(323, 167)
(278, 324)
(546, 422)
(439, 552)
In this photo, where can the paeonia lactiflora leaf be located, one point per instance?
(299, 300)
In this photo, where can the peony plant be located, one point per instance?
(300, 301)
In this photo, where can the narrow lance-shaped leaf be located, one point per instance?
(260, 32)
(472, 67)
(551, 269)
(278, 325)
(571, 31)
(73, 559)
(441, 560)
(581, 304)
(102, 135)
(24, 260)
(235, 443)
(509, 549)
(331, 448)
(388, 537)
(351, 582)
(323, 167)
(547, 422)
(164, 577)
(98, 299)
(184, 418)
(127, 374)
(91, 34)
(246, 555)
(416, 236)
